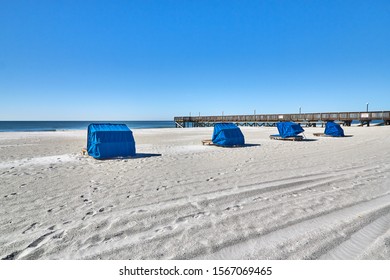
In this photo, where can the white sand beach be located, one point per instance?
(327, 198)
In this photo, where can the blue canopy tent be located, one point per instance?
(334, 129)
(107, 140)
(289, 129)
(227, 134)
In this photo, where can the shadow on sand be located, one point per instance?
(251, 145)
(145, 155)
(238, 146)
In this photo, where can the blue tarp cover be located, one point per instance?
(334, 129)
(110, 141)
(227, 134)
(289, 129)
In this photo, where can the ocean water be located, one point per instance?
(75, 125)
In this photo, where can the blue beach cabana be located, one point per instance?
(227, 135)
(334, 129)
(107, 140)
(288, 130)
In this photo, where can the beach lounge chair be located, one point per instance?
(107, 140)
(288, 131)
(226, 135)
(207, 142)
(290, 138)
(332, 129)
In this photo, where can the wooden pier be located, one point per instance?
(310, 119)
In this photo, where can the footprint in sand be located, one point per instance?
(103, 225)
(134, 196)
(88, 214)
(200, 215)
(85, 200)
(32, 227)
(106, 209)
(51, 210)
(113, 237)
(191, 216)
(94, 185)
(158, 231)
(162, 188)
(164, 229)
(234, 208)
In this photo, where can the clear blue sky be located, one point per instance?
(153, 60)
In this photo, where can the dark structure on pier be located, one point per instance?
(310, 119)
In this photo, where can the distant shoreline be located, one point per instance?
(37, 126)
(153, 125)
